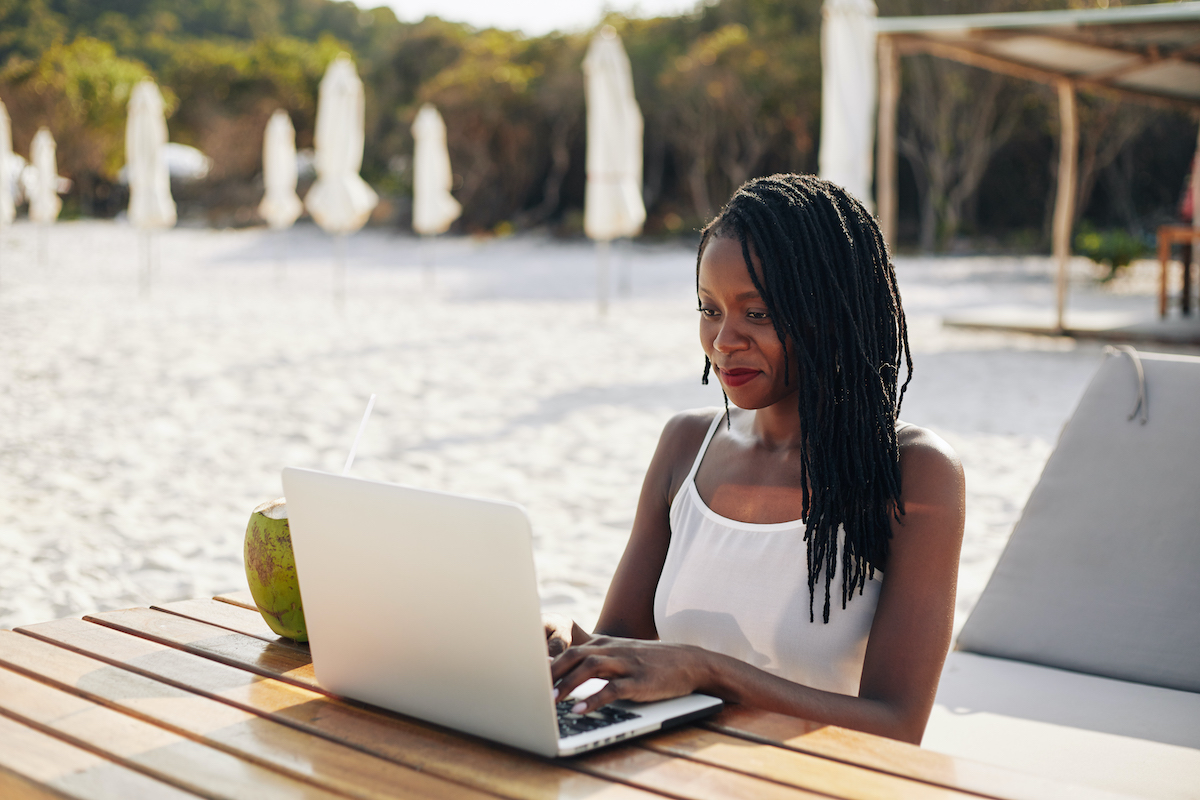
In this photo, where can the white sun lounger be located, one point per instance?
(1081, 660)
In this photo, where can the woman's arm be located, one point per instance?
(629, 605)
(907, 645)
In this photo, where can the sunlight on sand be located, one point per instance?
(138, 433)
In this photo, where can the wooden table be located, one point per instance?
(1169, 235)
(199, 698)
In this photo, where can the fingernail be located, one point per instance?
(578, 707)
(554, 695)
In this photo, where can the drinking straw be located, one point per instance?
(361, 426)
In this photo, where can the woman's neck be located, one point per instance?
(777, 427)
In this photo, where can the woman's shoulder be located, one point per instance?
(691, 423)
(678, 445)
(927, 461)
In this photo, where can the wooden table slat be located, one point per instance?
(228, 616)
(147, 748)
(242, 598)
(826, 741)
(896, 758)
(269, 659)
(435, 752)
(682, 778)
(14, 786)
(793, 767)
(245, 735)
(35, 764)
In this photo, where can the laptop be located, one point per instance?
(426, 603)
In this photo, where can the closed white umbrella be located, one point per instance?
(42, 187)
(7, 162)
(340, 201)
(280, 206)
(150, 203)
(848, 89)
(434, 208)
(151, 206)
(613, 204)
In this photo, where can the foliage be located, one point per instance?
(1115, 248)
(80, 92)
(729, 91)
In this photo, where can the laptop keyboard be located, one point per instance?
(570, 724)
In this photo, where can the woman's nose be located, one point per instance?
(729, 338)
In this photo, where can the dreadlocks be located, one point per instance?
(831, 290)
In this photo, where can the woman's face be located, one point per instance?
(736, 331)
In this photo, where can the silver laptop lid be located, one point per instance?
(424, 603)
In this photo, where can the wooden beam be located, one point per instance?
(1194, 249)
(909, 44)
(1064, 203)
(886, 193)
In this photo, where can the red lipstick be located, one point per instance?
(737, 377)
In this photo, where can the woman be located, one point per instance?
(755, 568)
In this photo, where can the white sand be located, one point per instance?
(137, 434)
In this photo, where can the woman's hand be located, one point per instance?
(561, 633)
(635, 669)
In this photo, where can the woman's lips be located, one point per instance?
(737, 377)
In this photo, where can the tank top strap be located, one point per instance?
(712, 429)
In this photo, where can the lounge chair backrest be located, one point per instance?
(1102, 573)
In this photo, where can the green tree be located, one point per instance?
(79, 91)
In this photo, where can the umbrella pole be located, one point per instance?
(428, 267)
(624, 271)
(143, 263)
(339, 278)
(43, 258)
(602, 251)
(280, 258)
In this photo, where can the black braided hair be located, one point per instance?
(830, 287)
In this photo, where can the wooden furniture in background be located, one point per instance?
(1169, 235)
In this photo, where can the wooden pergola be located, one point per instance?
(1146, 54)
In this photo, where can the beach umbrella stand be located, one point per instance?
(149, 260)
(613, 205)
(43, 245)
(428, 263)
(281, 270)
(624, 270)
(339, 272)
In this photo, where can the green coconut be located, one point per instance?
(271, 570)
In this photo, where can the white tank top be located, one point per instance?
(741, 588)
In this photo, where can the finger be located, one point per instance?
(555, 645)
(590, 666)
(566, 661)
(600, 699)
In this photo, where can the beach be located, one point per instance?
(139, 429)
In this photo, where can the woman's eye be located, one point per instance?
(758, 315)
(708, 312)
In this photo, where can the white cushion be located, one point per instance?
(1100, 574)
(1097, 732)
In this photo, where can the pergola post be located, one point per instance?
(1195, 249)
(1064, 204)
(886, 193)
